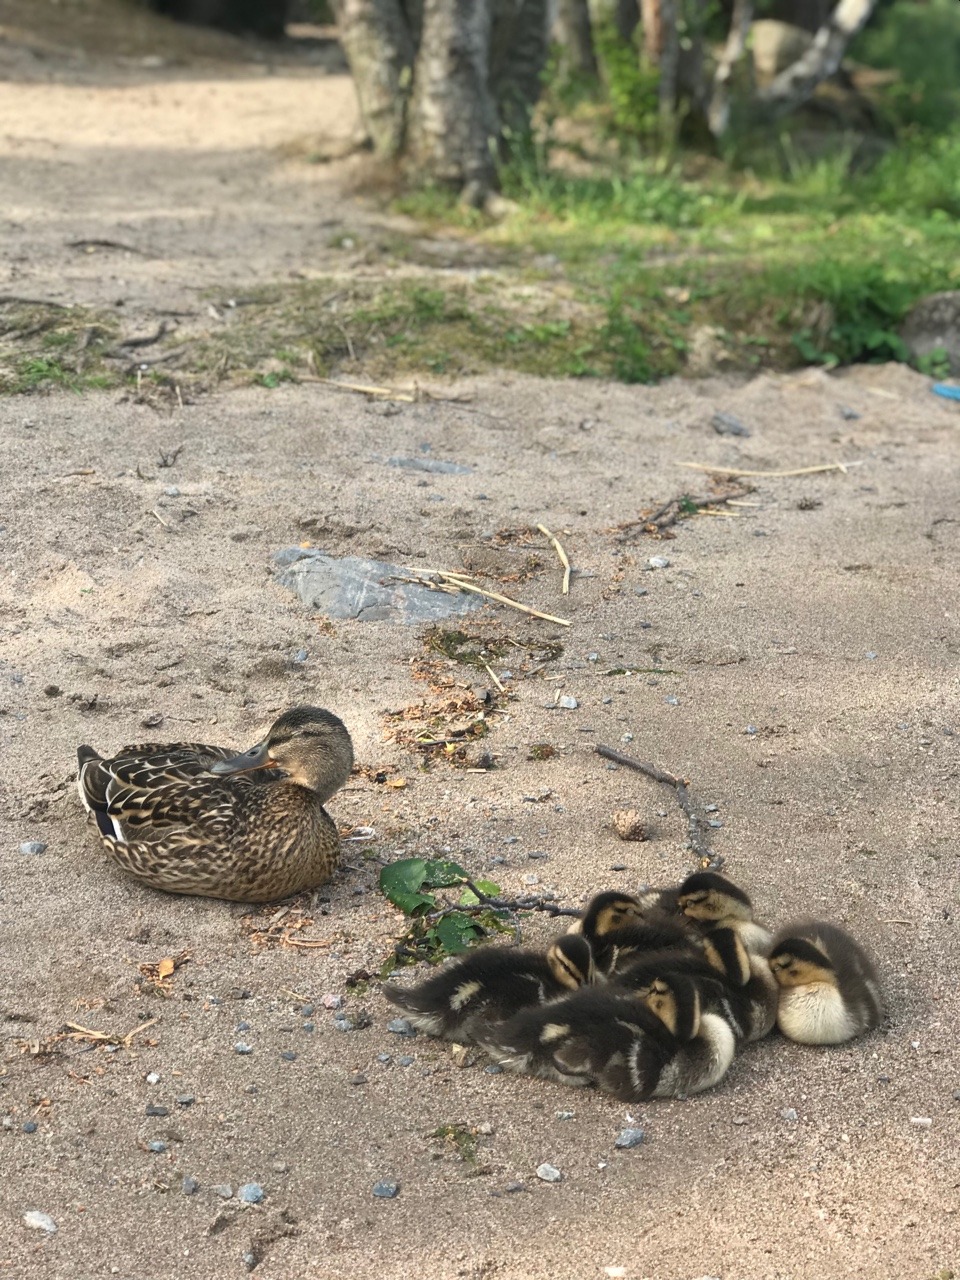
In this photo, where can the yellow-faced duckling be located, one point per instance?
(491, 984)
(752, 993)
(618, 928)
(189, 818)
(710, 900)
(618, 1043)
(829, 990)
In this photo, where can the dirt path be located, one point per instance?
(797, 662)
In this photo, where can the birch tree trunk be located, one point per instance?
(718, 111)
(378, 45)
(794, 86)
(452, 123)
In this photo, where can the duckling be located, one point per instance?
(829, 989)
(710, 900)
(752, 993)
(618, 928)
(617, 1042)
(493, 983)
(196, 819)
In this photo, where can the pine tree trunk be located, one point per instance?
(378, 44)
(794, 86)
(573, 31)
(452, 122)
(518, 54)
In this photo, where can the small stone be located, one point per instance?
(243, 1026)
(494, 1069)
(401, 1027)
(531, 879)
(628, 825)
(658, 562)
(672, 700)
(288, 1055)
(567, 703)
(37, 1221)
(190, 1186)
(171, 491)
(405, 1060)
(716, 823)
(463, 1056)
(301, 656)
(52, 690)
(328, 1002)
(628, 1138)
(921, 1122)
(251, 1193)
(618, 866)
(538, 853)
(565, 1115)
(727, 424)
(789, 1114)
(848, 414)
(151, 719)
(739, 1119)
(870, 655)
(343, 1023)
(240, 1047)
(224, 1190)
(513, 1186)
(33, 847)
(385, 1058)
(185, 1099)
(6, 1122)
(309, 1026)
(548, 1173)
(306, 1010)
(157, 1147)
(750, 730)
(386, 1190)
(710, 808)
(155, 1110)
(486, 1128)
(30, 1126)
(359, 1078)
(249, 1260)
(152, 1077)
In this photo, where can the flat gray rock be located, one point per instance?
(933, 326)
(371, 590)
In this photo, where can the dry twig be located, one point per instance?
(76, 1032)
(796, 471)
(696, 839)
(361, 389)
(562, 556)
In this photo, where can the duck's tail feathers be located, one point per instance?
(92, 782)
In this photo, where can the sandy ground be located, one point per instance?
(828, 627)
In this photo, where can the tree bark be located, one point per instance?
(652, 30)
(669, 66)
(518, 54)
(377, 42)
(573, 31)
(452, 122)
(794, 86)
(718, 111)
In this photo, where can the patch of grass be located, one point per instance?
(461, 1138)
(43, 348)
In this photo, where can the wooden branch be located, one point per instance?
(796, 84)
(561, 556)
(696, 837)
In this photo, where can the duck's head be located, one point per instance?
(609, 911)
(795, 962)
(310, 745)
(675, 999)
(724, 950)
(570, 958)
(710, 899)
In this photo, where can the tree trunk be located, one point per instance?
(794, 86)
(377, 42)
(669, 66)
(452, 122)
(573, 31)
(652, 30)
(718, 112)
(518, 54)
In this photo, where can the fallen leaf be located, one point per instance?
(397, 783)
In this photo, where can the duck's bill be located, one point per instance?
(257, 757)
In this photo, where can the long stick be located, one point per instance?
(797, 471)
(494, 595)
(562, 557)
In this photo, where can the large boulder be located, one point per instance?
(934, 326)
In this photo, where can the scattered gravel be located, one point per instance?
(548, 1173)
(628, 1138)
(37, 1221)
(251, 1193)
(386, 1190)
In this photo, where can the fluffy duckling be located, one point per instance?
(618, 927)
(493, 983)
(752, 993)
(190, 818)
(710, 901)
(829, 990)
(619, 1043)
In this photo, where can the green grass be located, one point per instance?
(43, 348)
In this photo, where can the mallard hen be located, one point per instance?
(197, 819)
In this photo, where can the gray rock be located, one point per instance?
(401, 1027)
(29, 1126)
(727, 424)
(190, 1186)
(33, 846)
(288, 1055)
(513, 1187)
(567, 703)
(154, 1110)
(157, 1147)
(658, 562)
(384, 1190)
(152, 1077)
(789, 1114)
(933, 326)
(371, 590)
(240, 1047)
(38, 1221)
(306, 1010)
(405, 1060)
(628, 1138)
(251, 1193)
(436, 466)
(494, 1069)
(549, 1173)
(224, 1190)
(185, 1099)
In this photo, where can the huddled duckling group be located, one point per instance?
(650, 997)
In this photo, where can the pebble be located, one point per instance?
(870, 655)
(288, 1055)
(359, 1078)
(530, 878)
(956, 1095)
(567, 703)
(309, 1026)
(385, 1057)
(328, 1002)
(251, 1193)
(618, 866)
(224, 1190)
(921, 1122)
(249, 1260)
(242, 1026)
(751, 729)
(739, 1119)
(343, 1023)
(494, 1069)
(154, 1110)
(789, 1114)
(152, 1078)
(190, 1186)
(628, 1138)
(39, 1221)
(728, 424)
(658, 562)
(565, 1115)
(405, 1060)
(157, 1147)
(30, 1126)
(33, 846)
(401, 1027)
(240, 1047)
(301, 655)
(386, 1190)
(548, 1173)
(710, 808)
(513, 1186)
(185, 1099)
(672, 700)
(171, 491)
